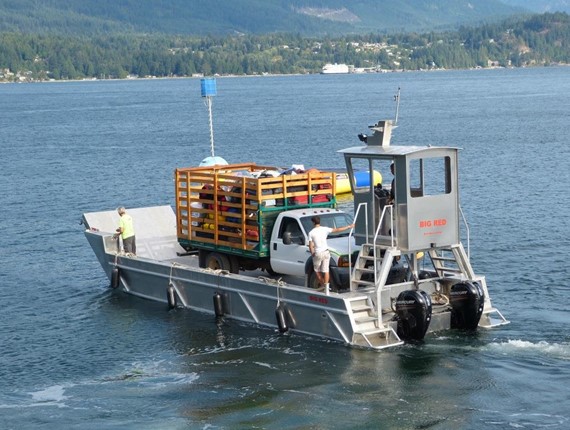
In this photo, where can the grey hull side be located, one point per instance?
(244, 298)
(162, 271)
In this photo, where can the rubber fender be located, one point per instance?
(218, 305)
(115, 278)
(467, 300)
(413, 308)
(171, 296)
(281, 315)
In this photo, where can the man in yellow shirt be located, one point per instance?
(127, 231)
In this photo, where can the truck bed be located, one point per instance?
(233, 207)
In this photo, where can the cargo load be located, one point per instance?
(232, 208)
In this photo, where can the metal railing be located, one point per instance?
(388, 209)
(351, 235)
(466, 231)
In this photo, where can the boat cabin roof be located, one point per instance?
(392, 151)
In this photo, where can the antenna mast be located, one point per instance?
(397, 100)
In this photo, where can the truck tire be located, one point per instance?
(216, 261)
(270, 270)
(234, 263)
(202, 255)
(314, 284)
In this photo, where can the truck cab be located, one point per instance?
(289, 243)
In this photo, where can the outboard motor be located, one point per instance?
(413, 308)
(467, 300)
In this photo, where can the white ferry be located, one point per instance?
(336, 69)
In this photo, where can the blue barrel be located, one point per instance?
(362, 179)
(208, 86)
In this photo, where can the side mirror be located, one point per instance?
(287, 238)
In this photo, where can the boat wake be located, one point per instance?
(554, 350)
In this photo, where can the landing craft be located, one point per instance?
(403, 270)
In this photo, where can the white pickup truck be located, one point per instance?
(289, 252)
(289, 249)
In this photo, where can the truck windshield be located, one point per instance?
(332, 220)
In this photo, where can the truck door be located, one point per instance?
(289, 250)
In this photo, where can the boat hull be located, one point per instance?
(162, 271)
(243, 298)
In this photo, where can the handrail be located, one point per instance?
(467, 231)
(350, 235)
(386, 208)
(377, 233)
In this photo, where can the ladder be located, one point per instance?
(367, 330)
(451, 261)
(366, 268)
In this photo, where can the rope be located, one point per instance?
(123, 254)
(216, 271)
(439, 298)
(271, 281)
(279, 282)
(170, 276)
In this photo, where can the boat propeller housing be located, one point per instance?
(467, 300)
(413, 310)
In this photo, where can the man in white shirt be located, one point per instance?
(320, 250)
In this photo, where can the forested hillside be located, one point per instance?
(541, 6)
(538, 40)
(208, 17)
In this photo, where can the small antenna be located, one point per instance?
(397, 100)
(208, 87)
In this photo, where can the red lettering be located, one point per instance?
(441, 221)
(322, 300)
(426, 223)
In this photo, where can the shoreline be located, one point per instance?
(150, 78)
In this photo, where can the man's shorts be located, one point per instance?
(321, 261)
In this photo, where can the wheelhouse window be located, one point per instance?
(430, 176)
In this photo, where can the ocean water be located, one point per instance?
(75, 354)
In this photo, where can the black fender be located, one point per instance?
(281, 316)
(115, 278)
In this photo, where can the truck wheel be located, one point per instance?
(234, 263)
(202, 255)
(217, 261)
(270, 271)
(313, 281)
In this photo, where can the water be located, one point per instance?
(76, 355)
